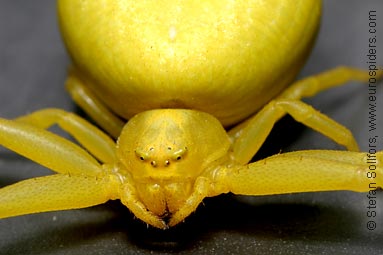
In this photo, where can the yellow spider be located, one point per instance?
(182, 72)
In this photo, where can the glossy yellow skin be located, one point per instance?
(222, 57)
(166, 161)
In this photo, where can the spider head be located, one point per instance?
(166, 150)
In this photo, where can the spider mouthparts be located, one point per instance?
(166, 216)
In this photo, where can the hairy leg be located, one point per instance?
(52, 193)
(304, 171)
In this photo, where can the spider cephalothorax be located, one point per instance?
(164, 158)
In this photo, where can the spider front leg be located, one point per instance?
(304, 171)
(53, 193)
(80, 182)
(301, 171)
(249, 136)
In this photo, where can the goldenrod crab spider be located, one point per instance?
(167, 160)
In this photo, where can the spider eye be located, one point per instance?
(141, 155)
(178, 154)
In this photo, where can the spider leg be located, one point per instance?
(248, 136)
(312, 85)
(305, 171)
(81, 182)
(92, 138)
(52, 193)
(93, 106)
(254, 134)
(47, 149)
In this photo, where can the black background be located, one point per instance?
(32, 72)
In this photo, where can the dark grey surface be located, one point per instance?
(32, 71)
